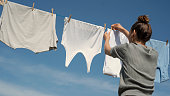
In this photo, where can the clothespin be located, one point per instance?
(6, 1)
(52, 11)
(69, 18)
(105, 26)
(33, 6)
(167, 42)
(111, 28)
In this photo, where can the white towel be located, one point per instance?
(23, 28)
(112, 66)
(82, 37)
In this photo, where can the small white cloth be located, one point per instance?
(112, 66)
(82, 37)
(20, 27)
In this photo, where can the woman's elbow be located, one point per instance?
(107, 52)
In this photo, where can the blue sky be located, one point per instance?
(23, 73)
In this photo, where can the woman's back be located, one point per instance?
(138, 69)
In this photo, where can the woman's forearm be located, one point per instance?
(125, 32)
(107, 47)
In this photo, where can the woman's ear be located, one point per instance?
(133, 36)
(134, 33)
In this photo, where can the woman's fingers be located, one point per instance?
(116, 26)
(106, 35)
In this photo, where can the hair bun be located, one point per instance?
(143, 19)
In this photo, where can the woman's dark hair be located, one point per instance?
(142, 28)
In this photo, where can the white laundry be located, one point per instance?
(82, 37)
(23, 28)
(112, 66)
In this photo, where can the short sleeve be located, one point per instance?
(119, 51)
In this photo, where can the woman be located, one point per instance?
(139, 61)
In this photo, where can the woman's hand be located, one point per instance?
(106, 36)
(121, 29)
(1, 2)
(117, 27)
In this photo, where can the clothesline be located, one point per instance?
(60, 15)
(2, 3)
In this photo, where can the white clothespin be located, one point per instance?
(52, 11)
(167, 42)
(69, 18)
(33, 6)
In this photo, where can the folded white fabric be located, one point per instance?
(112, 66)
(23, 28)
(81, 37)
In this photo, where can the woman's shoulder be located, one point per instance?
(153, 51)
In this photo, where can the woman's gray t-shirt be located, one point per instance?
(138, 69)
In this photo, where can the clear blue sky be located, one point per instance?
(23, 73)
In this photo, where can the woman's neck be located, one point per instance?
(139, 42)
